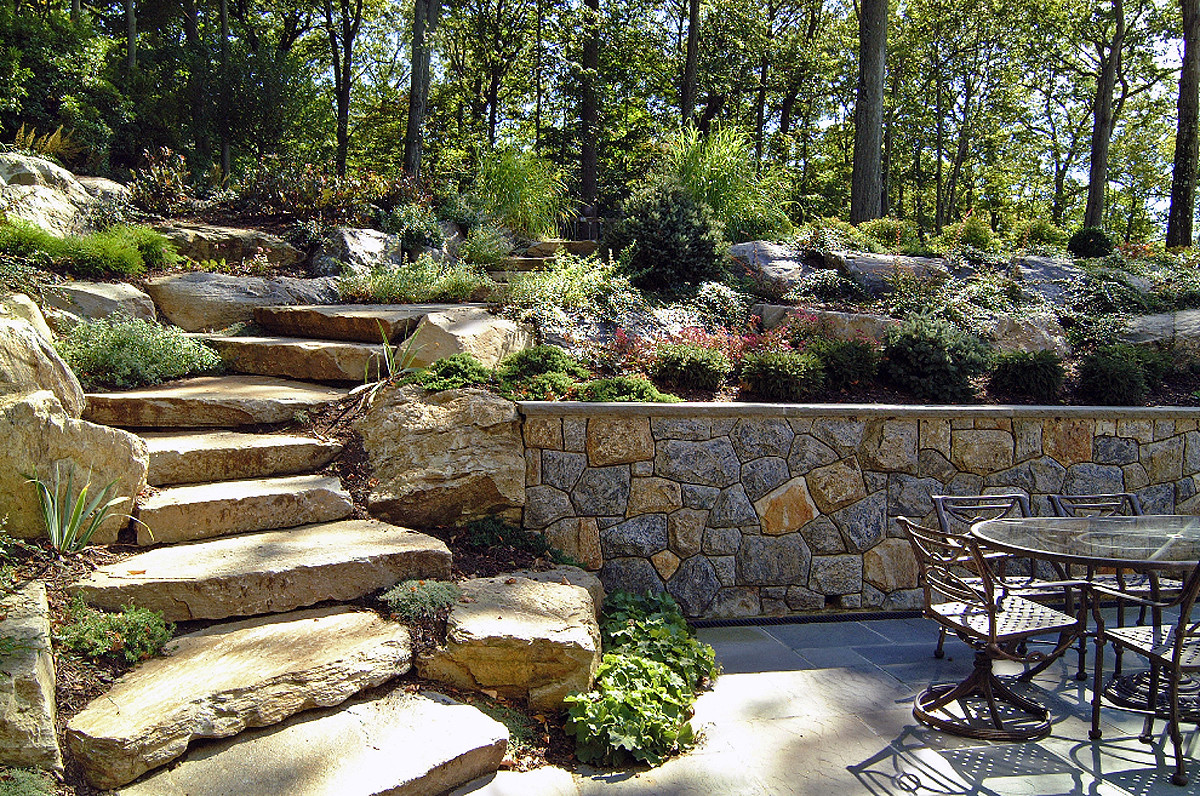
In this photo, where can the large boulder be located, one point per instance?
(27, 710)
(1013, 333)
(232, 244)
(92, 300)
(1049, 277)
(28, 362)
(21, 307)
(470, 330)
(105, 190)
(776, 263)
(443, 458)
(520, 638)
(356, 250)
(218, 681)
(197, 301)
(42, 193)
(875, 271)
(39, 436)
(1178, 330)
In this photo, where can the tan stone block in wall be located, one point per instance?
(533, 467)
(578, 537)
(1068, 441)
(1135, 477)
(890, 446)
(935, 434)
(685, 531)
(981, 452)
(619, 440)
(1028, 437)
(785, 509)
(993, 424)
(962, 424)
(1106, 428)
(653, 496)
(836, 485)
(890, 565)
(1184, 426)
(1141, 430)
(665, 563)
(544, 432)
(1163, 460)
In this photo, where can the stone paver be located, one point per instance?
(292, 357)
(359, 322)
(196, 457)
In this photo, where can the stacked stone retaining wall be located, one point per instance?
(762, 509)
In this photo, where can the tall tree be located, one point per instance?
(425, 18)
(131, 34)
(691, 61)
(1108, 39)
(866, 182)
(341, 29)
(1183, 175)
(589, 108)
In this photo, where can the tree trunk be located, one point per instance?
(1103, 118)
(537, 82)
(425, 19)
(131, 34)
(866, 182)
(760, 108)
(589, 105)
(76, 11)
(1183, 177)
(341, 33)
(691, 64)
(226, 155)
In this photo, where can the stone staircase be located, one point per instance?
(539, 257)
(249, 534)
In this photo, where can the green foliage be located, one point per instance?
(828, 285)
(672, 239)
(315, 192)
(624, 389)
(488, 244)
(847, 363)
(890, 234)
(525, 193)
(1038, 375)
(161, 186)
(826, 235)
(25, 782)
(542, 387)
(156, 248)
(416, 600)
(490, 533)
(127, 637)
(690, 367)
(720, 306)
(718, 170)
(414, 282)
(463, 209)
(973, 232)
(1105, 292)
(1037, 232)
(782, 375)
(539, 360)
(1113, 376)
(452, 373)
(1090, 242)
(933, 359)
(117, 251)
(129, 352)
(71, 517)
(416, 225)
(569, 283)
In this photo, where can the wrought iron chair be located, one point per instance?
(957, 513)
(1107, 504)
(982, 612)
(1172, 650)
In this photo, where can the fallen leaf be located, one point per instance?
(137, 572)
(510, 582)
(489, 692)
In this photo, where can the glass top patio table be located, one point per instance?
(1150, 542)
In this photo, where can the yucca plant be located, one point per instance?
(72, 518)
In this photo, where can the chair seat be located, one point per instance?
(1139, 585)
(1158, 642)
(1019, 619)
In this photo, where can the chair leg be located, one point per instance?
(1180, 776)
(1097, 684)
(1081, 670)
(1147, 735)
(939, 652)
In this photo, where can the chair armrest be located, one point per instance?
(1127, 597)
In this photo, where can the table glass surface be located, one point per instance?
(1164, 541)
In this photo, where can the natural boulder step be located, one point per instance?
(180, 457)
(202, 511)
(267, 572)
(526, 264)
(318, 360)
(208, 401)
(399, 744)
(361, 322)
(217, 682)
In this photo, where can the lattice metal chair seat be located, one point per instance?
(994, 623)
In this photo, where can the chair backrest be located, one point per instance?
(1109, 504)
(941, 558)
(957, 513)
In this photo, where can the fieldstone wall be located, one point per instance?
(763, 509)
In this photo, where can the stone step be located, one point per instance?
(210, 401)
(296, 357)
(218, 681)
(523, 264)
(181, 457)
(268, 572)
(203, 511)
(553, 246)
(397, 743)
(360, 322)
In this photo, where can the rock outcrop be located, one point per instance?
(355, 250)
(470, 330)
(28, 362)
(39, 436)
(232, 244)
(42, 193)
(520, 638)
(443, 458)
(27, 710)
(92, 300)
(198, 300)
